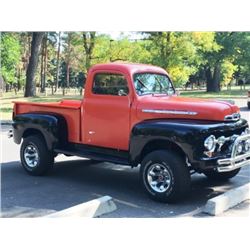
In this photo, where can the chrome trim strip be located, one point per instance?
(172, 112)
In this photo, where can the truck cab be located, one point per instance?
(130, 114)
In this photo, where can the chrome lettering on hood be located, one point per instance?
(173, 112)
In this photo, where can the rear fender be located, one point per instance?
(52, 127)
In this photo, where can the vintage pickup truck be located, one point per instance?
(131, 115)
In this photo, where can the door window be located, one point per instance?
(110, 84)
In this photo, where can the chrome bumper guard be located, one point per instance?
(236, 161)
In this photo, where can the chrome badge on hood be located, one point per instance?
(233, 117)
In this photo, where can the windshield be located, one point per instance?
(150, 83)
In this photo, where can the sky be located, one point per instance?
(118, 34)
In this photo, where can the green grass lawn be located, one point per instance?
(6, 100)
(234, 93)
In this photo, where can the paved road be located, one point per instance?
(74, 180)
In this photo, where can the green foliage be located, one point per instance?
(232, 58)
(10, 56)
(242, 48)
(227, 71)
(123, 49)
(181, 53)
(187, 56)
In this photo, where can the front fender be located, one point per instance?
(168, 131)
(53, 127)
(189, 135)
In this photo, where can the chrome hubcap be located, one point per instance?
(31, 156)
(159, 178)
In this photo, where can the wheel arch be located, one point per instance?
(33, 132)
(52, 128)
(153, 135)
(161, 144)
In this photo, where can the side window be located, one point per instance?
(110, 84)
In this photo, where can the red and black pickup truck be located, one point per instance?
(131, 115)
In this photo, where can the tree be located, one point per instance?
(89, 44)
(180, 53)
(242, 48)
(222, 59)
(30, 88)
(44, 57)
(195, 57)
(58, 60)
(25, 42)
(47, 62)
(10, 51)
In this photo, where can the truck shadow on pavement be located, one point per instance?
(73, 182)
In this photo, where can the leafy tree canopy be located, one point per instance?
(10, 56)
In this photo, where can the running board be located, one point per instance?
(95, 153)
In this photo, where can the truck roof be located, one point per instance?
(129, 68)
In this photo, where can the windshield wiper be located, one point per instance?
(161, 86)
(142, 84)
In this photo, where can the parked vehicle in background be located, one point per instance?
(131, 115)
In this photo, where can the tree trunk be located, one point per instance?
(213, 80)
(58, 61)
(19, 79)
(30, 88)
(88, 62)
(216, 78)
(41, 73)
(89, 44)
(67, 61)
(68, 69)
(45, 56)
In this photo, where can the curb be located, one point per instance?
(90, 209)
(229, 199)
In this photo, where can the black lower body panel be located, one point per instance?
(95, 153)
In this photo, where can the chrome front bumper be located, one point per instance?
(235, 161)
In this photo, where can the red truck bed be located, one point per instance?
(70, 109)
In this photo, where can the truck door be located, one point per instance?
(106, 116)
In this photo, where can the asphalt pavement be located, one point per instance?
(75, 180)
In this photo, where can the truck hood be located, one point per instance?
(175, 107)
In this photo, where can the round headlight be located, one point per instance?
(247, 145)
(239, 148)
(210, 143)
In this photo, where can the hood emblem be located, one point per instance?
(233, 117)
(172, 112)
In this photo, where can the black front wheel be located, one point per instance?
(36, 159)
(165, 176)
